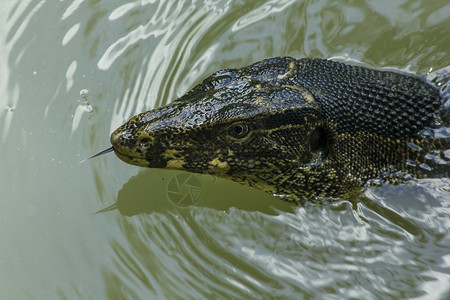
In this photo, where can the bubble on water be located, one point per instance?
(83, 107)
(86, 104)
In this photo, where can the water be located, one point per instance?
(71, 72)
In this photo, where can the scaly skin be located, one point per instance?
(304, 129)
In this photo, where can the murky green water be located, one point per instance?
(72, 71)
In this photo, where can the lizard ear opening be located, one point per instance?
(318, 139)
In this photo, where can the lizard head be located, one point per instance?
(251, 125)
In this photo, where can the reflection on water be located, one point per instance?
(155, 191)
(71, 72)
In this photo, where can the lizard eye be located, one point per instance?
(238, 131)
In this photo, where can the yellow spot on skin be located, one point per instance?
(281, 76)
(175, 164)
(292, 87)
(289, 72)
(259, 99)
(170, 153)
(217, 164)
(308, 96)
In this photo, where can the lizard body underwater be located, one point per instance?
(304, 130)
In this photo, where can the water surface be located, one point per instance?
(72, 71)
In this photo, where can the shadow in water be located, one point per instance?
(159, 190)
(164, 190)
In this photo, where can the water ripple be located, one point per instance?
(263, 11)
(70, 34)
(174, 28)
(192, 244)
(20, 18)
(392, 242)
(71, 9)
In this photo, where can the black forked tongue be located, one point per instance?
(98, 154)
